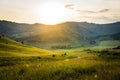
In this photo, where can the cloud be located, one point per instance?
(85, 11)
(69, 6)
(88, 11)
(100, 18)
(104, 10)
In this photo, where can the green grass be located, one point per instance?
(9, 47)
(87, 66)
(22, 62)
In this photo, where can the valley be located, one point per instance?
(22, 62)
(68, 51)
(59, 39)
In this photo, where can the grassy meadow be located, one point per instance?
(22, 62)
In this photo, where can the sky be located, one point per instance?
(57, 11)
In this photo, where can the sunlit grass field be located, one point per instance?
(74, 65)
(22, 62)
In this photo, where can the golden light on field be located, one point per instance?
(52, 13)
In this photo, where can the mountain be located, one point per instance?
(10, 47)
(64, 35)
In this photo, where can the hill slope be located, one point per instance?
(9, 47)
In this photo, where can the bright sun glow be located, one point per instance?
(52, 13)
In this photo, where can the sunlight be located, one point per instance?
(52, 13)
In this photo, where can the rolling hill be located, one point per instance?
(72, 34)
(9, 47)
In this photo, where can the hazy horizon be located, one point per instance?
(60, 22)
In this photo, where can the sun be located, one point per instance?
(52, 13)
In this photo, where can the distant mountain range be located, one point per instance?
(64, 35)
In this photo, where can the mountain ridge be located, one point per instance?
(75, 34)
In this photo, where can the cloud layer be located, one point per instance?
(69, 6)
(88, 11)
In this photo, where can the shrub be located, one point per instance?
(118, 47)
(22, 71)
(38, 57)
(65, 53)
(53, 55)
(22, 42)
